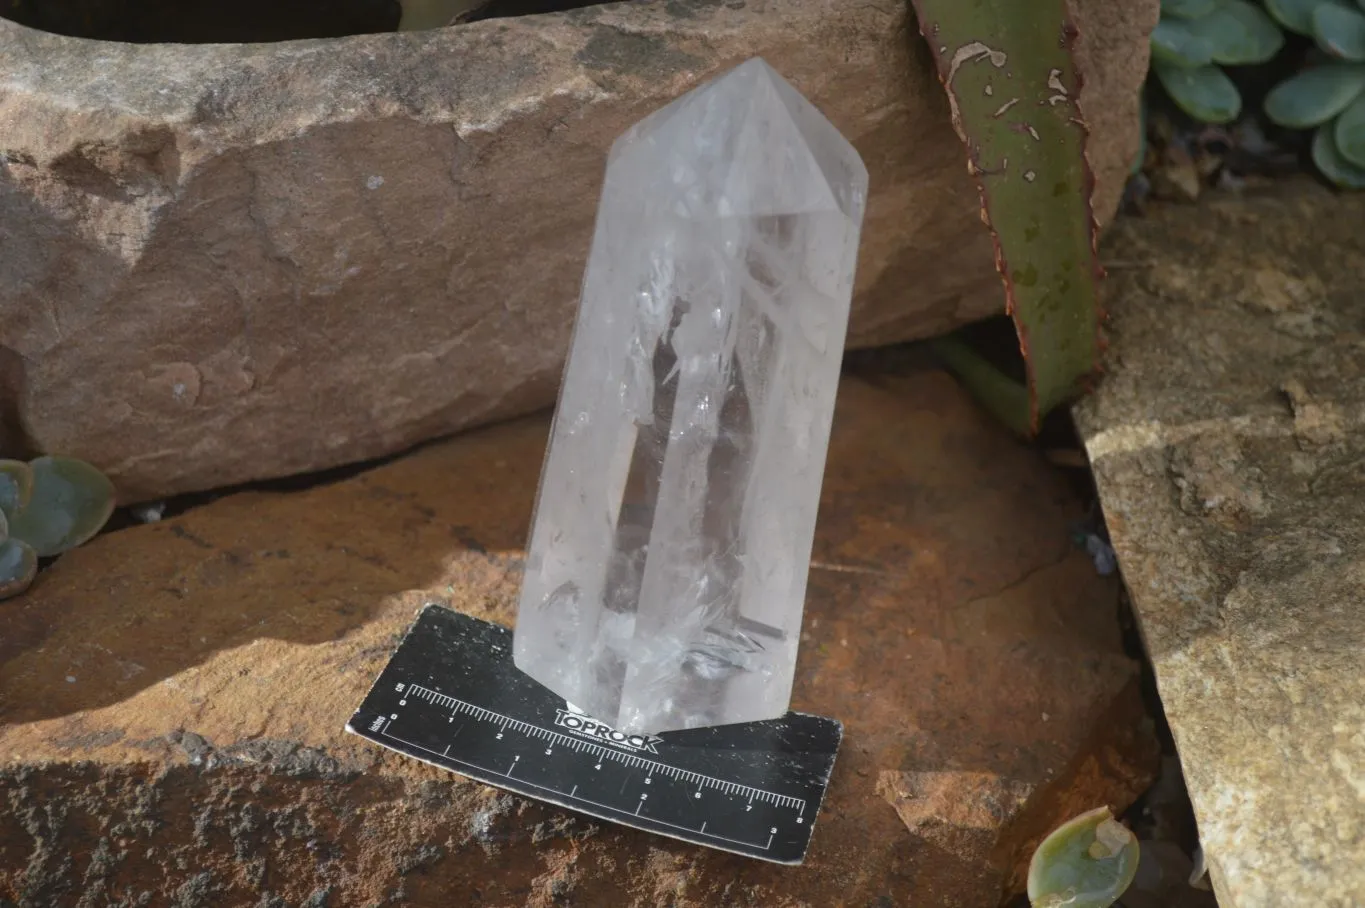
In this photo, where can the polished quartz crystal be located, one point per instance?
(667, 568)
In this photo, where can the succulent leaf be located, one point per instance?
(1176, 43)
(1348, 132)
(1333, 164)
(16, 486)
(1013, 87)
(71, 502)
(1340, 31)
(1205, 93)
(1006, 399)
(1297, 15)
(1239, 33)
(1187, 9)
(18, 567)
(1087, 862)
(420, 15)
(1315, 95)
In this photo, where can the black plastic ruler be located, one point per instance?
(451, 696)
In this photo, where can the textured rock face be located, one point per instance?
(172, 696)
(223, 263)
(1228, 443)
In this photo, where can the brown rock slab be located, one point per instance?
(1228, 443)
(230, 262)
(173, 695)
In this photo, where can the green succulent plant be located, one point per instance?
(1087, 862)
(1329, 95)
(421, 15)
(1013, 89)
(1196, 38)
(48, 506)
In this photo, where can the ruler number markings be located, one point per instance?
(777, 800)
(442, 642)
(650, 766)
(607, 807)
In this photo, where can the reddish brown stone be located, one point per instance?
(172, 696)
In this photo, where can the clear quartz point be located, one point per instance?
(671, 542)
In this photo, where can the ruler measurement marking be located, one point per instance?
(607, 807)
(455, 651)
(530, 730)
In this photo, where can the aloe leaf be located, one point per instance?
(1206, 93)
(18, 567)
(1333, 164)
(1340, 31)
(1239, 33)
(1140, 159)
(1087, 862)
(1176, 43)
(1315, 95)
(1297, 15)
(1187, 9)
(71, 502)
(1012, 83)
(16, 485)
(420, 15)
(1005, 398)
(1348, 132)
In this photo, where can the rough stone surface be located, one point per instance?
(172, 696)
(1228, 443)
(223, 263)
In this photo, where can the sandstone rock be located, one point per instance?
(172, 696)
(229, 262)
(1228, 443)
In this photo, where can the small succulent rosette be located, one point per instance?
(1196, 38)
(48, 506)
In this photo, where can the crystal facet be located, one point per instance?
(667, 568)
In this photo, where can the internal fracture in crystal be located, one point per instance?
(670, 548)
